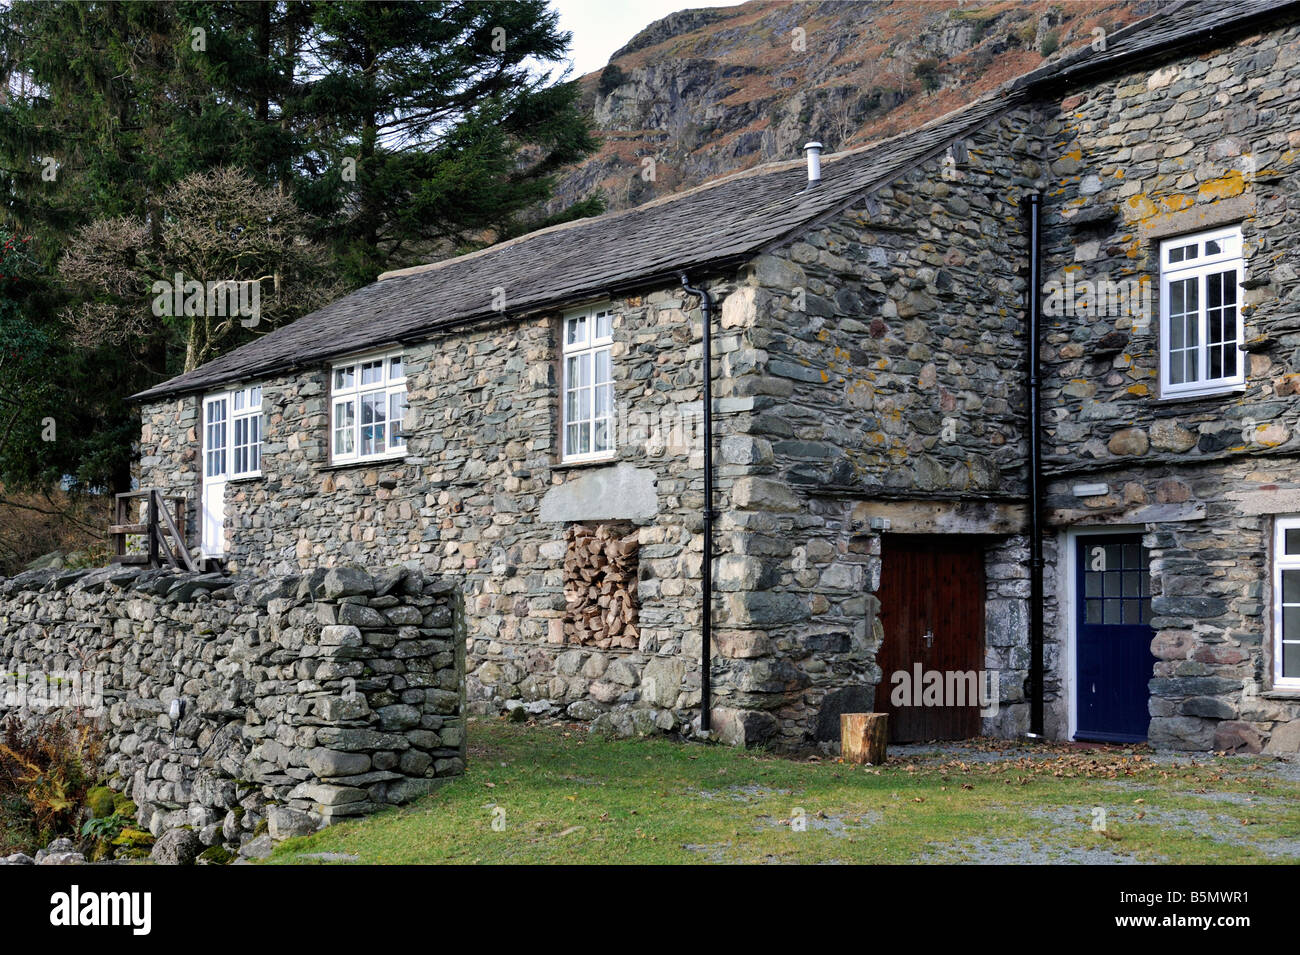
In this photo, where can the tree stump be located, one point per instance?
(863, 737)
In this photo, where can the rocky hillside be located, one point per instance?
(702, 93)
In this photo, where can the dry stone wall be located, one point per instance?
(307, 698)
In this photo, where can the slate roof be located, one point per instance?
(702, 230)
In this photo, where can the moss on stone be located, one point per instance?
(133, 839)
(101, 801)
(216, 855)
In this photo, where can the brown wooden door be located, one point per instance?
(934, 586)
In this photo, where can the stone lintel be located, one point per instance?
(1146, 514)
(1281, 501)
(944, 517)
(621, 492)
(1198, 218)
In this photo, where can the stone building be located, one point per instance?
(528, 419)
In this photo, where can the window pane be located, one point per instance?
(573, 406)
(1093, 611)
(239, 397)
(1212, 247)
(1291, 623)
(395, 369)
(1132, 611)
(396, 414)
(1091, 584)
(344, 377)
(604, 367)
(575, 330)
(345, 420)
(1291, 540)
(604, 325)
(604, 401)
(372, 372)
(255, 396)
(1221, 324)
(1291, 586)
(374, 430)
(601, 436)
(1291, 661)
(1112, 608)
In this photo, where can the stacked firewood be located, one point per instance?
(600, 568)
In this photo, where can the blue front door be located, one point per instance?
(1113, 661)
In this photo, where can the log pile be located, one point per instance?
(600, 569)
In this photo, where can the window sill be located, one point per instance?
(376, 462)
(1202, 395)
(585, 463)
(242, 478)
(1282, 693)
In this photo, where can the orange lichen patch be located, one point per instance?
(1140, 390)
(1143, 208)
(1225, 187)
(825, 377)
(1178, 202)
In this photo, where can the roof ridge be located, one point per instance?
(762, 169)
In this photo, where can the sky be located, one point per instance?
(600, 27)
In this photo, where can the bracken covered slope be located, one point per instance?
(704, 93)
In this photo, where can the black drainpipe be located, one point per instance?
(1034, 206)
(706, 633)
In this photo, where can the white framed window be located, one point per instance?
(587, 389)
(232, 433)
(1286, 603)
(1200, 314)
(368, 408)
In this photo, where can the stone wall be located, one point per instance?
(482, 496)
(1181, 147)
(886, 366)
(307, 698)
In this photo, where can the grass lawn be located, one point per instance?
(558, 794)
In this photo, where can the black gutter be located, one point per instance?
(706, 630)
(1034, 504)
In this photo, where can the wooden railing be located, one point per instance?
(162, 528)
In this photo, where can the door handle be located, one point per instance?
(928, 638)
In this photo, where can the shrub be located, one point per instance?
(1051, 41)
(611, 77)
(47, 768)
(927, 71)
